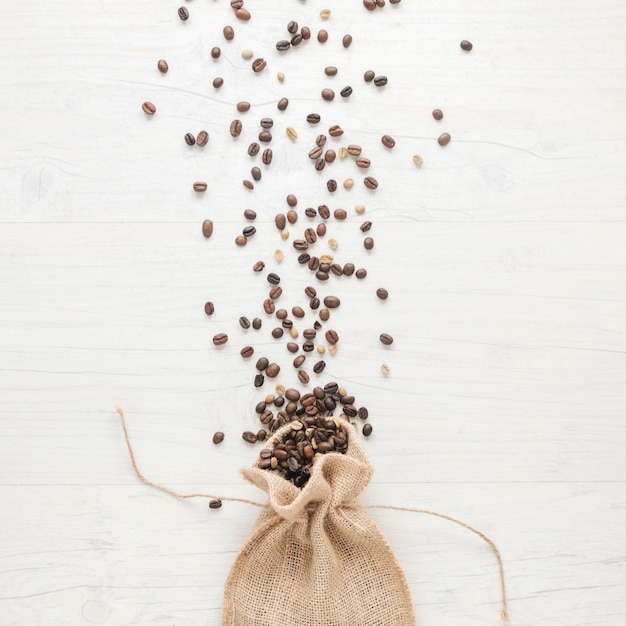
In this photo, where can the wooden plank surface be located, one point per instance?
(504, 256)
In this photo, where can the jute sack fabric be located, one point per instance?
(315, 558)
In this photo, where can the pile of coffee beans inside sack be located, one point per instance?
(318, 417)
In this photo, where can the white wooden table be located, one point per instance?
(504, 256)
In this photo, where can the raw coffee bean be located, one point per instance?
(241, 240)
(340, 214)
(207, 228)
(246, 352)
(315, 153)
(243, 106)
(303, 377)
(256, 173)
(162, 66)
(183, 13)
(367, 430)
(209, 308)
(313, 118)
(247, 54)
(305, 31)
(444, 139)
(253, 148)
(268, 306)
(335, 131)
(382, 293)
(244, 322)
(190, 140)
(218, 82)
(331, 185)
(202, 138)
(258, 65)
(330, 70)
(322, 36)
(199, 187)
(282, 104)
(370, 182)
(361, 273)
(272, 370)
(283, 45)
(325, 14)
(319, 367)
(277, 333)
(267, 156)
(235, 128)
(215, 504)
(363, 163)
(386, 339)
(296, 40)
(388, 141)
(265, 136)
(324, 211)
(218, 437)
(262, 363)
(328, 94)
(346, 92)
(368, 77)
(368, 243)
(320, 141)
(229, 33)
(248, 436)
(365, 226)
(348, 269)
(466, 45)
(324, 315)
(259, 379)
(276, 292)
(220, 339)
(380, 81)
(292, 27)
(331, 336)
(347, 41)
(215, 52)
(438, 114)
(298, 361)
(273, 279)
(320, 164)
(242, 14)
(148, 108)
(259, 266)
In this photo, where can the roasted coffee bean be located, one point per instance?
(190, 140)
(331, 336)
(282, 314)
(370, 5)
(220, 339)
(328, 94)
(262, 363)
(260, 407)
(310, 292)
(259, 379)
(199, 187)
(268, 306)
(283, 45)
(322, 36)
(277, 333)
(202, 138)
(235, 128)
(303, 377)
(300, 244)
(350, 410)
(257, 323)
(183, 13)
(246, 352)
(276, 292)
(321, 275)
(315, 153)
(330, 70)
(380, 81)
(255, 172)
(363, 413)
(346, 399)
(292, 201)
(319, 367)
(297, 311)
(218, 437)
(444, 139)
(324, 211)
(305, 31)
(242, 14)
(282, 104)
(296, 40)
(259, 266)
(321, 229)
(382, 293)
(218, 82)
(361, 273)
(265, 136)
(354, 150)
(267, 156)
(368, 77)
(241, 240)
(209, 308)
(314, 263)
(309, 333)
(292, 347)
(314, 303)
(340, 214)
(272, 370)
(249, 231)
(330, 156)
(331, 185)
(236, 4)
(292, 27)
(248, 436)
(216, 52)
(243, 106)
(249, 214)
(370, 182)
(335, 131)
(466, 45)
(313, 118)
(229, 33)
(365, 226)
(258, 65)
(148, 108)
(281, 221)
(215, 504)
(261, 435)
(336, 269)
(207, 228)
(320, 164)
(304, 258)
(310, 235)
(346, 92)
(324, 315)
(388, 141)
(248, 184)
(273, 279)
(386, 339)
(299, 360)
(320, 141)
(363, 163)
(347, 41)
(438, 114)
(368, 243)
(348, 269)
(244, 322)
(367, 430)
(308, 346)
(162, 66)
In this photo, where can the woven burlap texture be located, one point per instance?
(315, 558)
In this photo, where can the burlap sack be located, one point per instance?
(314, 557)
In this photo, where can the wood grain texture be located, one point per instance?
(504, 256)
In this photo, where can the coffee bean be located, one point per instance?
(330, 70)
(229, 33)
(246, 352)
(354, 150)
(218, 82)
(361, 273)
(380, 81)
(382, 293)
(367, 430)
(235, 128)
(190, 140)
(328, 94)
(363, 413)
(321, 275)
(331, 336)
(148, 108)
(324, 211)
(309, 333)
(207, 228)
(394, 1)
(265, 136)
(249, 214)
(292, 27)
(283, 45)
(220, 339)
(262, 363)
(368, 77)
(340, 214)
(199, 187)
(365, 226)
(258, 65)
(297, 311)
(261, 435)
(282, 104)
(336, 269)
(267, 156)
(363, 163)
(249, 436)
(300, 244)
(256, 173)
(438, 114)
(162, 66)
(241, 240)
(268, 306)
(298, 361)
(347, 41)
(348, 269)
(292, 200)
(209, 308)
(236, 4)
(215, 52)
(314, 303)
(370, 182)
(320, 141)
(243, 106)
(322, 36)
(258, 266)
(303, 377)
(321, 229)
(331, 185)
(202, 138)
(305, 31)
(466, 45)
(335, 131)
(368, 243)
(272, 370)
(273, 279)
(257, 323)
(349, 410)
(325, 14)
(183, 13)
(304, 258)
(370, 5)
(324, 315)
(443, 139)
(320, 164)
(315, 153)
(313, 118)
(259, 379)
(296, 40)
(218, 437)
(242, 14)
(277, 333)
(386, 339)
(276, 292)
(247, 54)
(280, 220)
(292, 347)
(388, 141)
(319, 367)
(244, 322)
(346, 92)
(215, 504)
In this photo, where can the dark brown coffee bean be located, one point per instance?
(257, 323)
(346, 92)
(273, 279)
(308, 346)
(444, 139)
(331, 185)
(202, 138)
(382, 293)
(350, 410)
(276, 292)
(324, 211)
(242, 14)
(148, 108)
(260, 407)
(183, 13)
(310, 292)
(243, 106)
(330, 70)
(315, 153)
(262, 363)
(324, 315)
(320, 141)
(215, 504)
(330, 156)
(235, 128)
(291, 201)
(332, 337)
(207, 228)
(265, 136)
(229, 33)
(296, 40)
(380, 81)
(283, 45)
(244, 322)
(309, 333)
(328, 94)
(220, 339)
(246, 352)
(363, 163)
(361, 273)
(388, 141)
(305, 31)
(313, 118)
(282, 104)
(292, 347)
(335, 131)
(272, 370)
(363, 413)
(368, 77)
(209, 308)
(299, 360)
(248, 184)
(322, 36)
(319, 367)
(236, 4)
(218, 437)
(277, 333)
(259, 379)
(258, 65)
(336, 269)
(367, 430)
(320, 164)
(386, 339)
(162, 66)
(259, 266)
(310, 235)
(292, 27)
(261, 435)
(340, 214)
(394, 1)
(268, 306)
(267, 155)
(321, 275)
(249, 214)
(348, 269)
(190, 140)
(347, 41)
(365, 226)
(314, 303)
(255, 172)
(438, 114)
(215, 52)
(370, 182)
(368, 243)
(303, 377)
(248, 436)
(218, 82)
(466, 45)
(313, 263)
